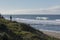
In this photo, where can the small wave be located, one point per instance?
(33, 21)
(42, 18)
(49, 30)
(57, 19)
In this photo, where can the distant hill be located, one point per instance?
(12, 30)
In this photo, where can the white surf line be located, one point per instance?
(32, 21)
(29, 21)
(49, 31)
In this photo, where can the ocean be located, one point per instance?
(55, 28)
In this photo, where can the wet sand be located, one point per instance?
(53, 34)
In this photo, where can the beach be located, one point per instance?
(52, 34)
(52, 24)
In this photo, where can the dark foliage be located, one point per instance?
(12, 30)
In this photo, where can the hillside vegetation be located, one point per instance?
(12, 30)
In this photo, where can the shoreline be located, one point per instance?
(51, 33)
(49, 30)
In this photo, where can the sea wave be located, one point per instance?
(33, 21)
(49, 30)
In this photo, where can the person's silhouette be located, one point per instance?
(10, 18)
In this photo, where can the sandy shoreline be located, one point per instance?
(53, 34)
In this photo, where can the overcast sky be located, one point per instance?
(29, 7)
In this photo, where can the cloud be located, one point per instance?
(50, 10)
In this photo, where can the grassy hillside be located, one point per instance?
(11, 30)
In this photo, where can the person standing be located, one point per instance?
(10, 18)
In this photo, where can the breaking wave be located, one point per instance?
(44, 22)
(33, 21)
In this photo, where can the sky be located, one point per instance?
(16, 7)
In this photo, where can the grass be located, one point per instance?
(12, 30)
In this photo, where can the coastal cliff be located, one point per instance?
(12, 30)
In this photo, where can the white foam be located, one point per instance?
(49, 30)
(57, 19)
(42, 18)
(32, 21)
